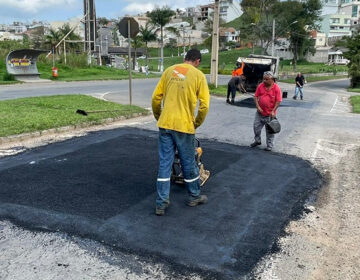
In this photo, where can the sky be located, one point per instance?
(62, 10)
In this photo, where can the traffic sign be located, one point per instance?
(123, 27)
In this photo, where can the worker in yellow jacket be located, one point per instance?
(174, 101)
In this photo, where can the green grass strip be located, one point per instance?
(314, 79)
(355, 102)
(220, 90)
(32, 114)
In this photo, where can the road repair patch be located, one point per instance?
(102, 186)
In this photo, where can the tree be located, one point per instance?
(352, 44)
(256, 21)
(103, 21)
(66, 30)
(136, 43)
(147, 34)
(298, 19)
(160, 17)
(52, 39)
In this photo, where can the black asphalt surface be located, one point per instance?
(102, 186)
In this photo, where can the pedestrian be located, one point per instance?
(299, 86)
(181, 88)
(267, 100)
(235, 84)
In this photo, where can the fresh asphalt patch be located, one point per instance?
(287, 102)
(102, 186)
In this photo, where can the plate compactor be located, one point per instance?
(177, 176)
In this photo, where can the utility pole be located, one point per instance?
(215, 46)
(129, 63)
(273, 38)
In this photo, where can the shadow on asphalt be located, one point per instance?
(102, 186)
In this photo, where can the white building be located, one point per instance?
(352, 8)
(230, 10)
(330, 6)
(7, 36)
(73, 23)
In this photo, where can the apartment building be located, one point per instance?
(336, 25)
(351, 7)
(230, 10)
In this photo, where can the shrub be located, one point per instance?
(8, 77)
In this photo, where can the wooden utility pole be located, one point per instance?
(215, 46)
(129, 63)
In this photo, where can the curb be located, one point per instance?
(26, 136)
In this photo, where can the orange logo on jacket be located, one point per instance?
(180, 72)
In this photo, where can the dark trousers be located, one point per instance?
(231, 89)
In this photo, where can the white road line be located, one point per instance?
(102, 96)
(337, 97)
(317, 147)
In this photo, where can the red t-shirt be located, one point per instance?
(268, 98)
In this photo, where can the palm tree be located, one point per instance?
(161, 17)
(147, 34)
(64, 30)
(52, 38)
(136, 43)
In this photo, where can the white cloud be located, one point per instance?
(141, 6)
(34, 6)
(135, 8)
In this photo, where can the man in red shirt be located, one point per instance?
(267, 100)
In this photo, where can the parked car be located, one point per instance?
(204, 51)
(142, 57)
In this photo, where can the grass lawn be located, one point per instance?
(40, 113)
(227, 60)
(355, 102)
(354, 89)
(315, 79)
(67, 73)
(221, 90)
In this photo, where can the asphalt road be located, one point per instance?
(101, 186)
(141, 89)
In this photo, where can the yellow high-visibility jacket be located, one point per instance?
(176, 96)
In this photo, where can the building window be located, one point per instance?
(354, 11)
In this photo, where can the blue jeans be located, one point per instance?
(297, 89)
(169, 141)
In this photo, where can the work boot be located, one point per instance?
(254, 144)
(202, 199)
(301, 98)
(294, 97)
(160, 211)
(232, 101)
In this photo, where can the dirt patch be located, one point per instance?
(324, 244)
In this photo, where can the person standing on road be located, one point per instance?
(267, 100)
(299, 86)
(174, 101)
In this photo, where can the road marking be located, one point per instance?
(341, 105)
(337, 97)
(102, 96)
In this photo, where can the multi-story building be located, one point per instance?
(330, 6)
(336, 25)
(351, 7)
(230, 10)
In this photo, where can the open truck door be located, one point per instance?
(255, 66)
